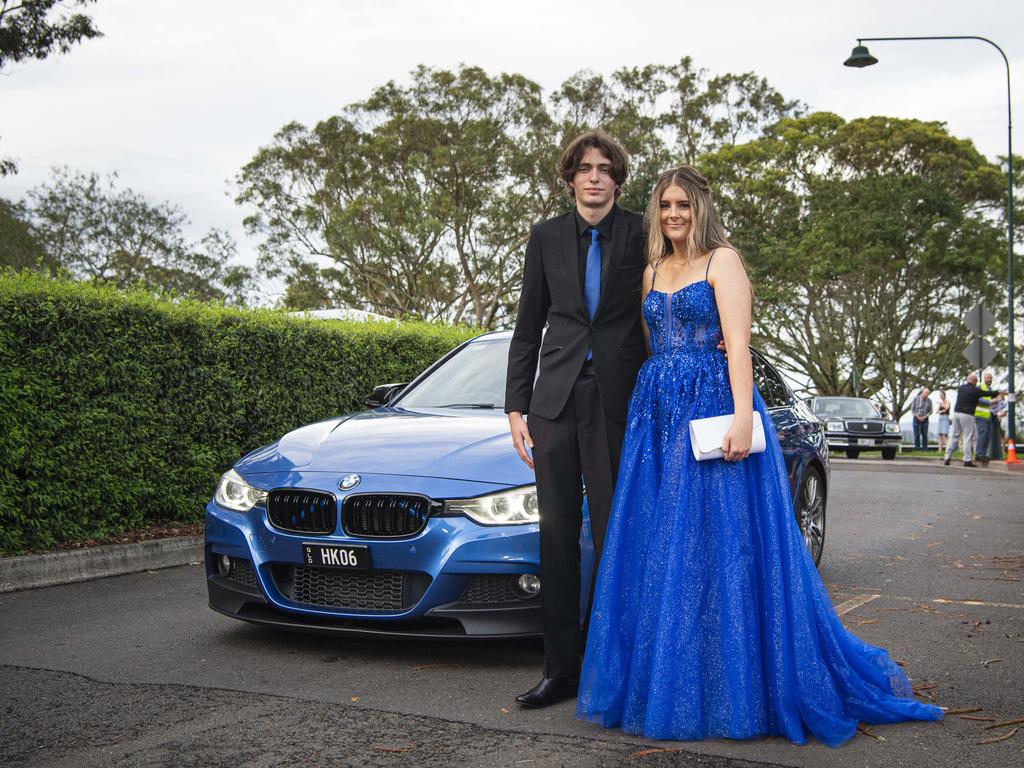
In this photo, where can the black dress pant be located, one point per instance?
(581, 445)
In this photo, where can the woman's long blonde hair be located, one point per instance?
(706, 229)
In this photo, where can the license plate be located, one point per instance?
(352, 556)
(865, 441)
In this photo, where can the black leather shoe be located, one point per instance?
(946, 462)
(550, 690)
(970, 464)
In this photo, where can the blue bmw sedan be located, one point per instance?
(417, 517)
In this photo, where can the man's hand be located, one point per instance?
(521, 437)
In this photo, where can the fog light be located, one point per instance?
(224, 563)
(528, 585)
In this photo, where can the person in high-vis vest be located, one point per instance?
(983, 419)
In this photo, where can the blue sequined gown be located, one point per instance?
(710, 619)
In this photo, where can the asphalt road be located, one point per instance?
(136, 670)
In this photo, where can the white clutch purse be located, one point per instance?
(706, 436)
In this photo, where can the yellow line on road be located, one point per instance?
(853, 603)
(857, 602)
(944, 601)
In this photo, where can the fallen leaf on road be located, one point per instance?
(504, 711)
(354, 698)
(990, 661)
(1012, 732)
(861, 728)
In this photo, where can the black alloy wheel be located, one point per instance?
(810, 512)
(852, 453)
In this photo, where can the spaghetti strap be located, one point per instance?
(708, 267)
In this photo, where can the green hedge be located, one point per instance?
(120, 410)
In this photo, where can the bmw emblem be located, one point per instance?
(349, 482)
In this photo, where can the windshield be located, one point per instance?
(472, 378)
(849, 407)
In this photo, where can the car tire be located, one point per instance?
(889, 453)
(810, 512)
(852, 453)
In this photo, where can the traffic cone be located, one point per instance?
(1011, 453)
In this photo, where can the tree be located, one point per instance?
(19, 249)
(866, 240)
(94, 231)
(27, 31)
(668, 115)
(421, 196)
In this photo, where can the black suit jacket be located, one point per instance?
(552, 297)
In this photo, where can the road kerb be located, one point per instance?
(67, 566)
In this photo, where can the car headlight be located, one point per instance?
(892, 426)
(515, 507)
(835, 426)
(235, 494)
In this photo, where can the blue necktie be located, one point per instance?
(592, 279)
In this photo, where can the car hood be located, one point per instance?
(458, 444)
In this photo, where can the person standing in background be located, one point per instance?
(943, 411)
(998, 409)
(921, 408)
(983, 419)
(967, 397)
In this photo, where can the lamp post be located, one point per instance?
(862, 58)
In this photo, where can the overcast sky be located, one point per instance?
(179, 94)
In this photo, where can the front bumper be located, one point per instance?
(453, 579)
(445, 621)
(845, 440)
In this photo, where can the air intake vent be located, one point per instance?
(384, 516)
(302, 511)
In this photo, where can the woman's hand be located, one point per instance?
(736, 443)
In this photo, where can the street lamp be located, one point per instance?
(860, 57)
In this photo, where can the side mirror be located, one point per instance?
(384, 394)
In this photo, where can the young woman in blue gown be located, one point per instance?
(709, 617)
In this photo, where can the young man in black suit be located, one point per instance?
(582, 279)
